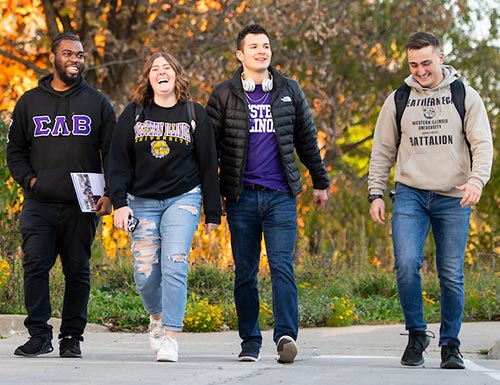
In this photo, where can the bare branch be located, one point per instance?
(23, 61)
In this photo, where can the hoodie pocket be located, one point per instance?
(54, 185)
(434, 172)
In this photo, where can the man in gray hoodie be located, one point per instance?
(442, 165)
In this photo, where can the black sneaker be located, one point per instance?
(287, 350)
(34, 347)
(249, 354)
(451, 358)
(69, 346)
(417, 343)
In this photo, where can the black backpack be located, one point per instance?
(457, 96)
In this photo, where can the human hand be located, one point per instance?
(103, 206)
(32, 182)
(319, 198)
(210, 227)
(120, 217)
(377, 211)
(472, 194)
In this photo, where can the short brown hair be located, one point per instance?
(421, 40)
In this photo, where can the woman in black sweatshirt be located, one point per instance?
(162, 165)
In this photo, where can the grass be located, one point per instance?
(324, 300)
(327, 296)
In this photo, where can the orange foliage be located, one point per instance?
(213, 248)
(113, 241)
(21, 21)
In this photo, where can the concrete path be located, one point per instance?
(356, 355)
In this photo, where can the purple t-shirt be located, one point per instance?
(263, 163)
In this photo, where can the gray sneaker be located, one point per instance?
(287, 350)
(451, 358)
(417, 343)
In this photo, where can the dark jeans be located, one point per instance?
(273, 213)
(50, 230)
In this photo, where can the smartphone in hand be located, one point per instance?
(132, 223)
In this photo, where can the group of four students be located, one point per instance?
(163, 162)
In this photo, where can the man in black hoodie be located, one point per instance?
(59, 127)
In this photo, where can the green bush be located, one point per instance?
(229, 315)
(201, 316)
(325, 298)
(118, 310)
(342, 312)
(208, 281)
(377, 283)
(378, 310)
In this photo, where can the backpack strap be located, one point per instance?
(458, 98)
(191, 114)
(138, 111)
(401, 98)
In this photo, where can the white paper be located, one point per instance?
(89, 187)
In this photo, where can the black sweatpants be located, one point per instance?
(49, 230)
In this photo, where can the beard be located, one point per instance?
(68, 79)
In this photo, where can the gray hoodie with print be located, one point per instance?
(433, 154)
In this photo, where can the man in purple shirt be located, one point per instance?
(261, 118)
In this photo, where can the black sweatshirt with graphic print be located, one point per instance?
(159, 156)
(54, 133)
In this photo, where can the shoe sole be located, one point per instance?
(248, 358)
(70, 354)
(418, 363)
(452, 365)
(287, 350)
(166, 359)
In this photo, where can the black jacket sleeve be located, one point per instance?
(121, 157)
(206, 156)
(306, 140)
(108, 123)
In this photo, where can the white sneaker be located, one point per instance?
(156, 333)
(168, 350)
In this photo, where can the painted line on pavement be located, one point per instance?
(493, 373)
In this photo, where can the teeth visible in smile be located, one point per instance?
(163, 81)
(73, 70)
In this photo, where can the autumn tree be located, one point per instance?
(347, 54)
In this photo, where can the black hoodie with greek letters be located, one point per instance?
(54, 133)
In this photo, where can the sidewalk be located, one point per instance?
(355, 355)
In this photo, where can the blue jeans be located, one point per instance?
(414, 212)
(161, 244)
(273, 213)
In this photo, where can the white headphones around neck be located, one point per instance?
(249, 84)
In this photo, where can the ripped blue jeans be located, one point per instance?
(161, 244)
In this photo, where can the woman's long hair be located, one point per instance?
(144, 92)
